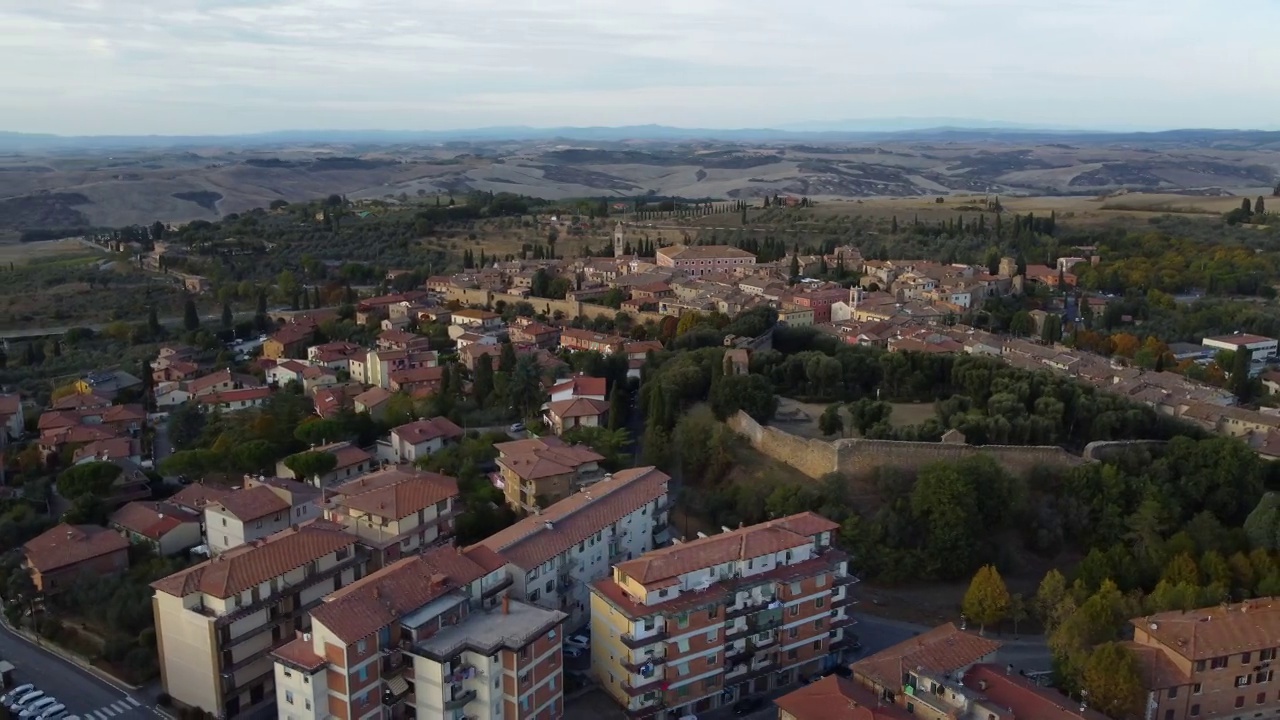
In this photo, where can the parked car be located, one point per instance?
(16, 693)
(37, 708)
(516, 428)
(22, 701)
(573, 652)
(578, 641)
(54, 712)
(746, 706)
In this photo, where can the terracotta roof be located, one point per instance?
(297, 653)
(475, 314)
(238, 395)
(198, 495)
(537, 458)
(251, 503)
(1241, 339)
(589, 336)
(66, 545)
(371, 603)
(243, 567)
(196, 385)
(57, 419)
(538, 538)
(152, 519)
(1215, 631)
(123, 413)
(77, 434)
(1025, 698)
(581, 385)
(79, 401)
(703, 252)
(293, 334)
(420, 431)
(642, 347)
(768, 538)
(1159, 671)
(942, 650)
(395, 492)
(418, 375)
(10, 405)
(117, 447)
(373, 397)
(578, 407)
(837, 698)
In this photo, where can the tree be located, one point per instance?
(1051, 332)
(228, 319)
(320, 431)
(1263, 524)
(482, 385)
(1113, 679)
(190, 463)
(795, 269)
(987, 600)
(619, 407)
(153, 323)
(1018, 610)
(1259, 206)
(309, 464)
(831, 422)
(1021, 324)
(91, 478)
(750, 393)
(190, 316)
(524, 386)
(1245, 207)
(1241, 380)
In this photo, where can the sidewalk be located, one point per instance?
(71, 657)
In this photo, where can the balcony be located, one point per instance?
(738, 633)
(843, 580)
(839, 602)
(505, 583)
(635, 643)
(842, 622)
(459, 700)
(653, 684)
(657, 662)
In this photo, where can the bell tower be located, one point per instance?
(617, 240)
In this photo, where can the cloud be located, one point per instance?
(222, 66)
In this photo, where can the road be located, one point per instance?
(876, 634)
(84, 693)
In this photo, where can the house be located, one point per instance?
(476, 319)
(236, 400)
(589, 340)
(403, 340)
(396, 511)
(417, 381)
(286, 371)
(170, 395)
(944, 650)
(638, 353)
(749, 611)
(107, 383)
(440, 615)
(350, 462)
(265, 590)
(418, 439)
(705, 259)
(565, 415)
(167, 528)
(470, 355)
(117, 448)
(194, 497)
(332, 400)
(334, 355)
(220, 381)
(579, 386)
(380, 364)
(737, 361)
(290, 341)
(1259, 347)
(1024, 698)
(12, 424)
(173, 371)
(538, 472)
(527, 331)
(262, 507)
(553, 558)
(58, 557)
(836, 698)
(373, 402)
(1210, 662)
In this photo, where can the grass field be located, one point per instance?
(21, 253)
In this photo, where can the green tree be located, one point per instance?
(1113, 679)
(524, 386)
(795, 269)
(482, 385)
(1263, 524)
(186, 423)
(1021, 324)
(320, 431)
(190, 316)
(831, 422)
(987, 600)
(1241, 381)
(153, 323)
(191, 463)
(309, 464)
(507, 357)
(91, 478)
(619, 407)
(750, 393)
(254, 456)
(228, 319)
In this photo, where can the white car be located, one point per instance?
(54, 712)
(37, 708)
(16, 693)
(582, 642)
(22, 700)
(573, 652)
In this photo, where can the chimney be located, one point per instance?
(506, 605)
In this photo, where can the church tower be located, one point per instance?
(617, 240)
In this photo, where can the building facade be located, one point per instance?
(705, 259)
(698, 625)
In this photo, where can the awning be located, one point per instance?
(397, 685)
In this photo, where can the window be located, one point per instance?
(682, 621)
(364, 673)
(1262, 697)
(306, 704)
(1195, 689)
(1168, 715)
(258, 524)
(288, 696)
(533, 596)
(713, 612)
(1245, 658)
(793, 632)
(360, 646)
(550, 584)
(817, 644)
(1218, 663)
(1173, 692)
(1267, 655)
(224, 522)
(1239, 701)
(819, 602)
(306, 679)
(711, 659)
(288, 674)
(794, 610)
(792, 654)
(1243, 680)
(711, 635)
(552, 684)
(1195, 710)
(524, 678)
(1199, 666)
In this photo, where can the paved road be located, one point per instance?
(84, 693)
(876, 634)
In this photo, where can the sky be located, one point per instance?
(93, 67)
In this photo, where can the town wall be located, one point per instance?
(570, 309)
(856, 456)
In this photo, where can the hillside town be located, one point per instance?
(333, 583)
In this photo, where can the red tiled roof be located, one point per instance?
(67, 545)
(942, 650)
(196, 385)
(768, 538)
(581, 385)
(1215, 631)
(538, 538)
(420, 431)
(251, 503)
(395, 492)
(417, 375)
(543, 457)
(837, 698)
(198, 495)
(578, 407)
(10, 405)
(79, 401)
(109, 449)
(298, 653)
(243, 567)
(152, 519)
(371, 603)
(642, 347)
(346, 454)
(240, 395)
(1025, 698)
(373, 397)
(293, 334)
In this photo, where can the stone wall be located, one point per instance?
(856, 456)
(571, 309)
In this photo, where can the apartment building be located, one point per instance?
(1216, 662)
(589, 340)
(396, 511)
(538, 472)
(217, 622)
(705, 259)
(698, 625)
(262, 507)
(554, 556)
(425, 637)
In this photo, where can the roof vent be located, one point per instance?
(548, 525)
(1154, 626)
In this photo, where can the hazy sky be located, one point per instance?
(229, 66)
